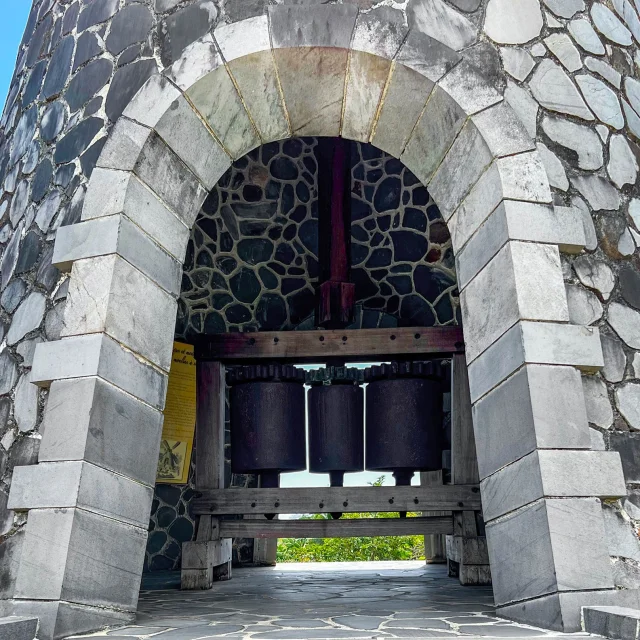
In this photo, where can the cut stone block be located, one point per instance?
(426, 55)
(379, 34)
(535, 343)
(539, 407)
(469, 87)
(544, 473)
(80, 484)
(524, 281)
(99, 355)
(123, 145)
(198, 59)
(59, 620)
(562, 611)
(503, 131)
(256, 78)
(433, 135)
(185, 133)
(104, 295)
(528, 221)
(217, 100)
(244, 38)
(117, 235)
(114, 192)
(619, 623)
(365, 84)
(313, 82)
(312, 26)
(90, 419)
(163, 171)
(152, 101)
(16, 628)
(554, 545)
(81, 557)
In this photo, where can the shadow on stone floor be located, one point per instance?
(324, 601)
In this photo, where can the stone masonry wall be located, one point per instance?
(570, 68)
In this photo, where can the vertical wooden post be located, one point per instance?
(434, 544)
(208, 558)
(466, 550)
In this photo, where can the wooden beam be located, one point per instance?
(464, 461)
(343, 499)
(317, 346)
(366, 527)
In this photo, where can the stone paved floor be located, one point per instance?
(326, 601)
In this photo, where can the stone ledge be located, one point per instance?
(619, 623)
(16, 628)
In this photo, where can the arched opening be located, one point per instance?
(323, 73)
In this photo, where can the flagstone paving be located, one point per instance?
(325, 601)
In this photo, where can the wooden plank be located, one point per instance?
(210, 426)
(434, 545)
(343, 499)
(316, 346)
(366, 527)
(464, 461)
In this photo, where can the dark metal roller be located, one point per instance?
(267, 421)
(404, 419)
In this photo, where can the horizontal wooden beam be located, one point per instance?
(316, 346)
(334, 499)
(365, 527)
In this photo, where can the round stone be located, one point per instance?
(284, 169)
(628, 402)
(408, 246)
(511, 22)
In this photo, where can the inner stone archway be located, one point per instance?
(321, 71)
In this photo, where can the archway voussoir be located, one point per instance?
(123, 146)
(379, 37)
(406, 94)
(217, 100)
(433, 135)
(428, 56)
(198, 59)
(469, 88)
(524, 177)
(503, 130)
(244, 38)
(312, 26)
(185, 133)
(152, 101)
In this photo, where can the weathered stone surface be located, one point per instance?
(440, 21)
(87, 82)
(584, 306)
(96, 12)
(8, 373)
(553, 89)
(580, 139)
(623, 165)
(604, 70)
(555, 169)
(563, 48)
(513, 23)
(565, 8)
(584, 34)
(59, 68)
(26, 404)
(628, 403)
(598, 192)
(595, 275)
(78, 140)
(27, 317)
(517, 62)
(131, 25)
(599, 411)
(125, 84)
(609, 26)
(615, 359)
(630, 285)
(524, 105)
(621, 539)
(626, 323)
(602, 100)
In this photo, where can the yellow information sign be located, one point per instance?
(179, 417)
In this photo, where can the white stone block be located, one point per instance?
(197, 60)
(113, 192)
(503, 131)
(469, 88)
(535, 343)
(379, 35)
(243, 38)
(124, 145)
(539, 407)
(117, 235)
(151, 102)
(426, 55)
(105, 295)
(552, 474)
(99, 355)
(80, 484)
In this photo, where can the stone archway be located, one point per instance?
(317, 71)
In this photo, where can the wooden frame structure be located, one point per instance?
(447, 509)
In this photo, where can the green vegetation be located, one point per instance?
(352, 549)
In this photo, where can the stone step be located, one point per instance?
(15, 628)
(619, 623)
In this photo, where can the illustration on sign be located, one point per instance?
(179, 417)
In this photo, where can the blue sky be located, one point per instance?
(14, 19)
